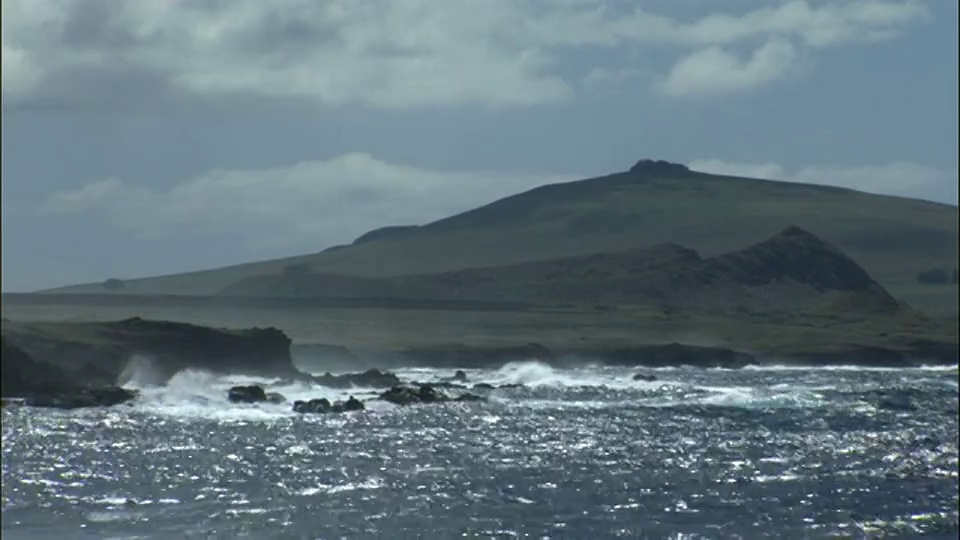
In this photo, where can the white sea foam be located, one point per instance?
(538, 374)
(200, 394)
(774, 367)
(760, 398)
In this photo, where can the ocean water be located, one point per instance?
(586, 453)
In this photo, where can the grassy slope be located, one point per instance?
(893, 238)
(793, 272)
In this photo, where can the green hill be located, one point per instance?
(653, 203)
(793, 273)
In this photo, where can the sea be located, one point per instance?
(583, 453)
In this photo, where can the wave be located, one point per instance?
(199, 394)
(751, 397)
(538, 374)
(776, 367)
(196, 393)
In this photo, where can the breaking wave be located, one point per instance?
(195, 393)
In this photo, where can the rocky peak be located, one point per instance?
(650, 166)
(797, 254)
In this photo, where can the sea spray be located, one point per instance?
(140, 372)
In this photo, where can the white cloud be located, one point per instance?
(387, 53)
(715, 71)
(601, 79)
(900, 178)
(307, 205)
(310, 205)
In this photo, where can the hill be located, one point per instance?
(653, 203)
(793, 272)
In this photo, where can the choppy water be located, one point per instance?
(773, 453)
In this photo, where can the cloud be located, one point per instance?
(314, 204)
(603, 80)
(715, 71)
(308, 205)
(900, 179)
(387, 53)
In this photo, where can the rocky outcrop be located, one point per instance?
(371, 378)
(646, 377)
(39, 384)
(176, 346)
(488, 386)
(323, 406)
(247, 394)
(79, 397)
(106, 349)
(413, 394)
(658, 167)
(797, 255)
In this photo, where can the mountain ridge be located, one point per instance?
(792, 272)
(653, 203)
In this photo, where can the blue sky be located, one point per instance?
(150, 137)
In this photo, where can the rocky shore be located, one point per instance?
(26, 381)
(73, 365)
(70, 365)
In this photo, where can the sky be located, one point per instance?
(158, 136)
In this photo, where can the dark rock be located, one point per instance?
(21, 373)
(323, 406)
(429, 394)
(483, 386)
(353, 404)
(511, 385)
(402, 395)
(371, 378)
(644, 377)
(460, 376)
(650, 166)
(276, 397)
(176, 346)
(76, 398)
(797, 255)
(409, 394)
(247, 394)
(170, 347)
(40, 384)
